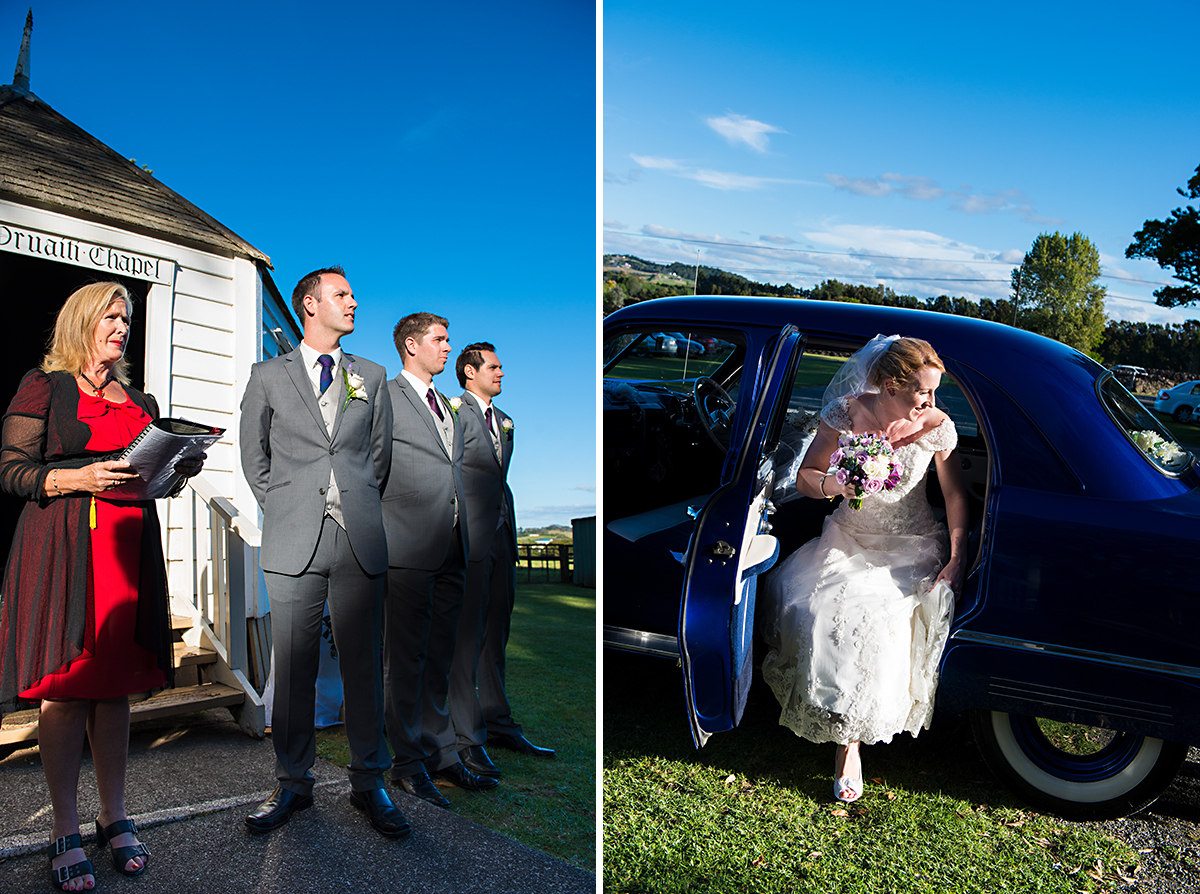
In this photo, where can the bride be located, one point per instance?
(857, 618)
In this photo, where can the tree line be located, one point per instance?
(1054, 291)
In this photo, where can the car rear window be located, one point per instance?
(1149, 435)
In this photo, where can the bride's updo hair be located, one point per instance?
(903, 360)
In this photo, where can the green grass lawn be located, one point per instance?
(551, 674)
(1187, 435)
(753, 810)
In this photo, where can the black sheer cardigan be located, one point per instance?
(47, 614)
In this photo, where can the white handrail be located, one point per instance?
(225, 582)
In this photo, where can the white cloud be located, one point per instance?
(610, 224)
(924, 189)
(778, 240)
(722, 180)
(740, 129)
(860, 186)
(656, 164)
(921, 189)
(727, 181)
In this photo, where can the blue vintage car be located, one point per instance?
(1075, 640)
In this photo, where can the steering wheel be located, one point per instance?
(715, 409)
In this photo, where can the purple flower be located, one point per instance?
(842, 476)
(836, 457)
(872, 485)
(862, 456)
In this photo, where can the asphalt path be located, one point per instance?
(1166, 836)
(191, 783)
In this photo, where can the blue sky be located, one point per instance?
(444, 154)
(795, 142)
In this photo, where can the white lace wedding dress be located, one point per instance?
(853, 628)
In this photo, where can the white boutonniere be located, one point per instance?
(506, 426)
(455, 403)
(356, 386)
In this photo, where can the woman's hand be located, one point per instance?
(829, 487)
(190, 467)
(96, 478)
(952, 574)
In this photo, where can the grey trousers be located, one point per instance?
(420, 628)
(478, 699)
(355, 607)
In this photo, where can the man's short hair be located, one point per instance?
(414, 326)
(471, 355)
(308, 286)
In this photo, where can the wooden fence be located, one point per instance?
(545, 562)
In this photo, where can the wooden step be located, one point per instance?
(186, 700)
(186, 655)
(20, 729)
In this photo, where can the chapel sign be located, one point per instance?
(35, 244)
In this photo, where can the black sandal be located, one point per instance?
(62, 875)
(122, 855)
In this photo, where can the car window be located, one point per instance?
(1148, 434)
(816, 369)
(674, 359)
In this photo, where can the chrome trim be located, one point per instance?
(1181, 670)
(641, 641)
(1077, 700)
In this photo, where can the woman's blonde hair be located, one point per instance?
(903, 360)
(71, 346)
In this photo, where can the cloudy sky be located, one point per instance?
(923, 146)
(444, 154)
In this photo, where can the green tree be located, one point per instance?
(1174, 243)
(614, 296)
(1055, 289)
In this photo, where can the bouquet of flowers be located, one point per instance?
(1157, 447)
(868, 462)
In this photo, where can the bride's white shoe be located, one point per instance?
(846, 789)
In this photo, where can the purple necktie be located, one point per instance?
(487, 417)
(433, 405)
(326, 371)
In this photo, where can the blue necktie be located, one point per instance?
(326, 371)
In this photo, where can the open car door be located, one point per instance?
(729, 548)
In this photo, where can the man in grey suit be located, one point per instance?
(484, 716)
(424, 517)
(315, 449)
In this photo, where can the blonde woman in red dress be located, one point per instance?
(83, 617)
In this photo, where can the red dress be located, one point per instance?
(117, 666)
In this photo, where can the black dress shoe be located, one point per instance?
(277, 810)
(383, 814)
(457, 774)
(419, 785)
(475, 758)
(518, 743)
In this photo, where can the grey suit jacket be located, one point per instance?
(485, 477)
(418, 502)
(287, 456)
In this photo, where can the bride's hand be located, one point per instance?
(952, 574)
